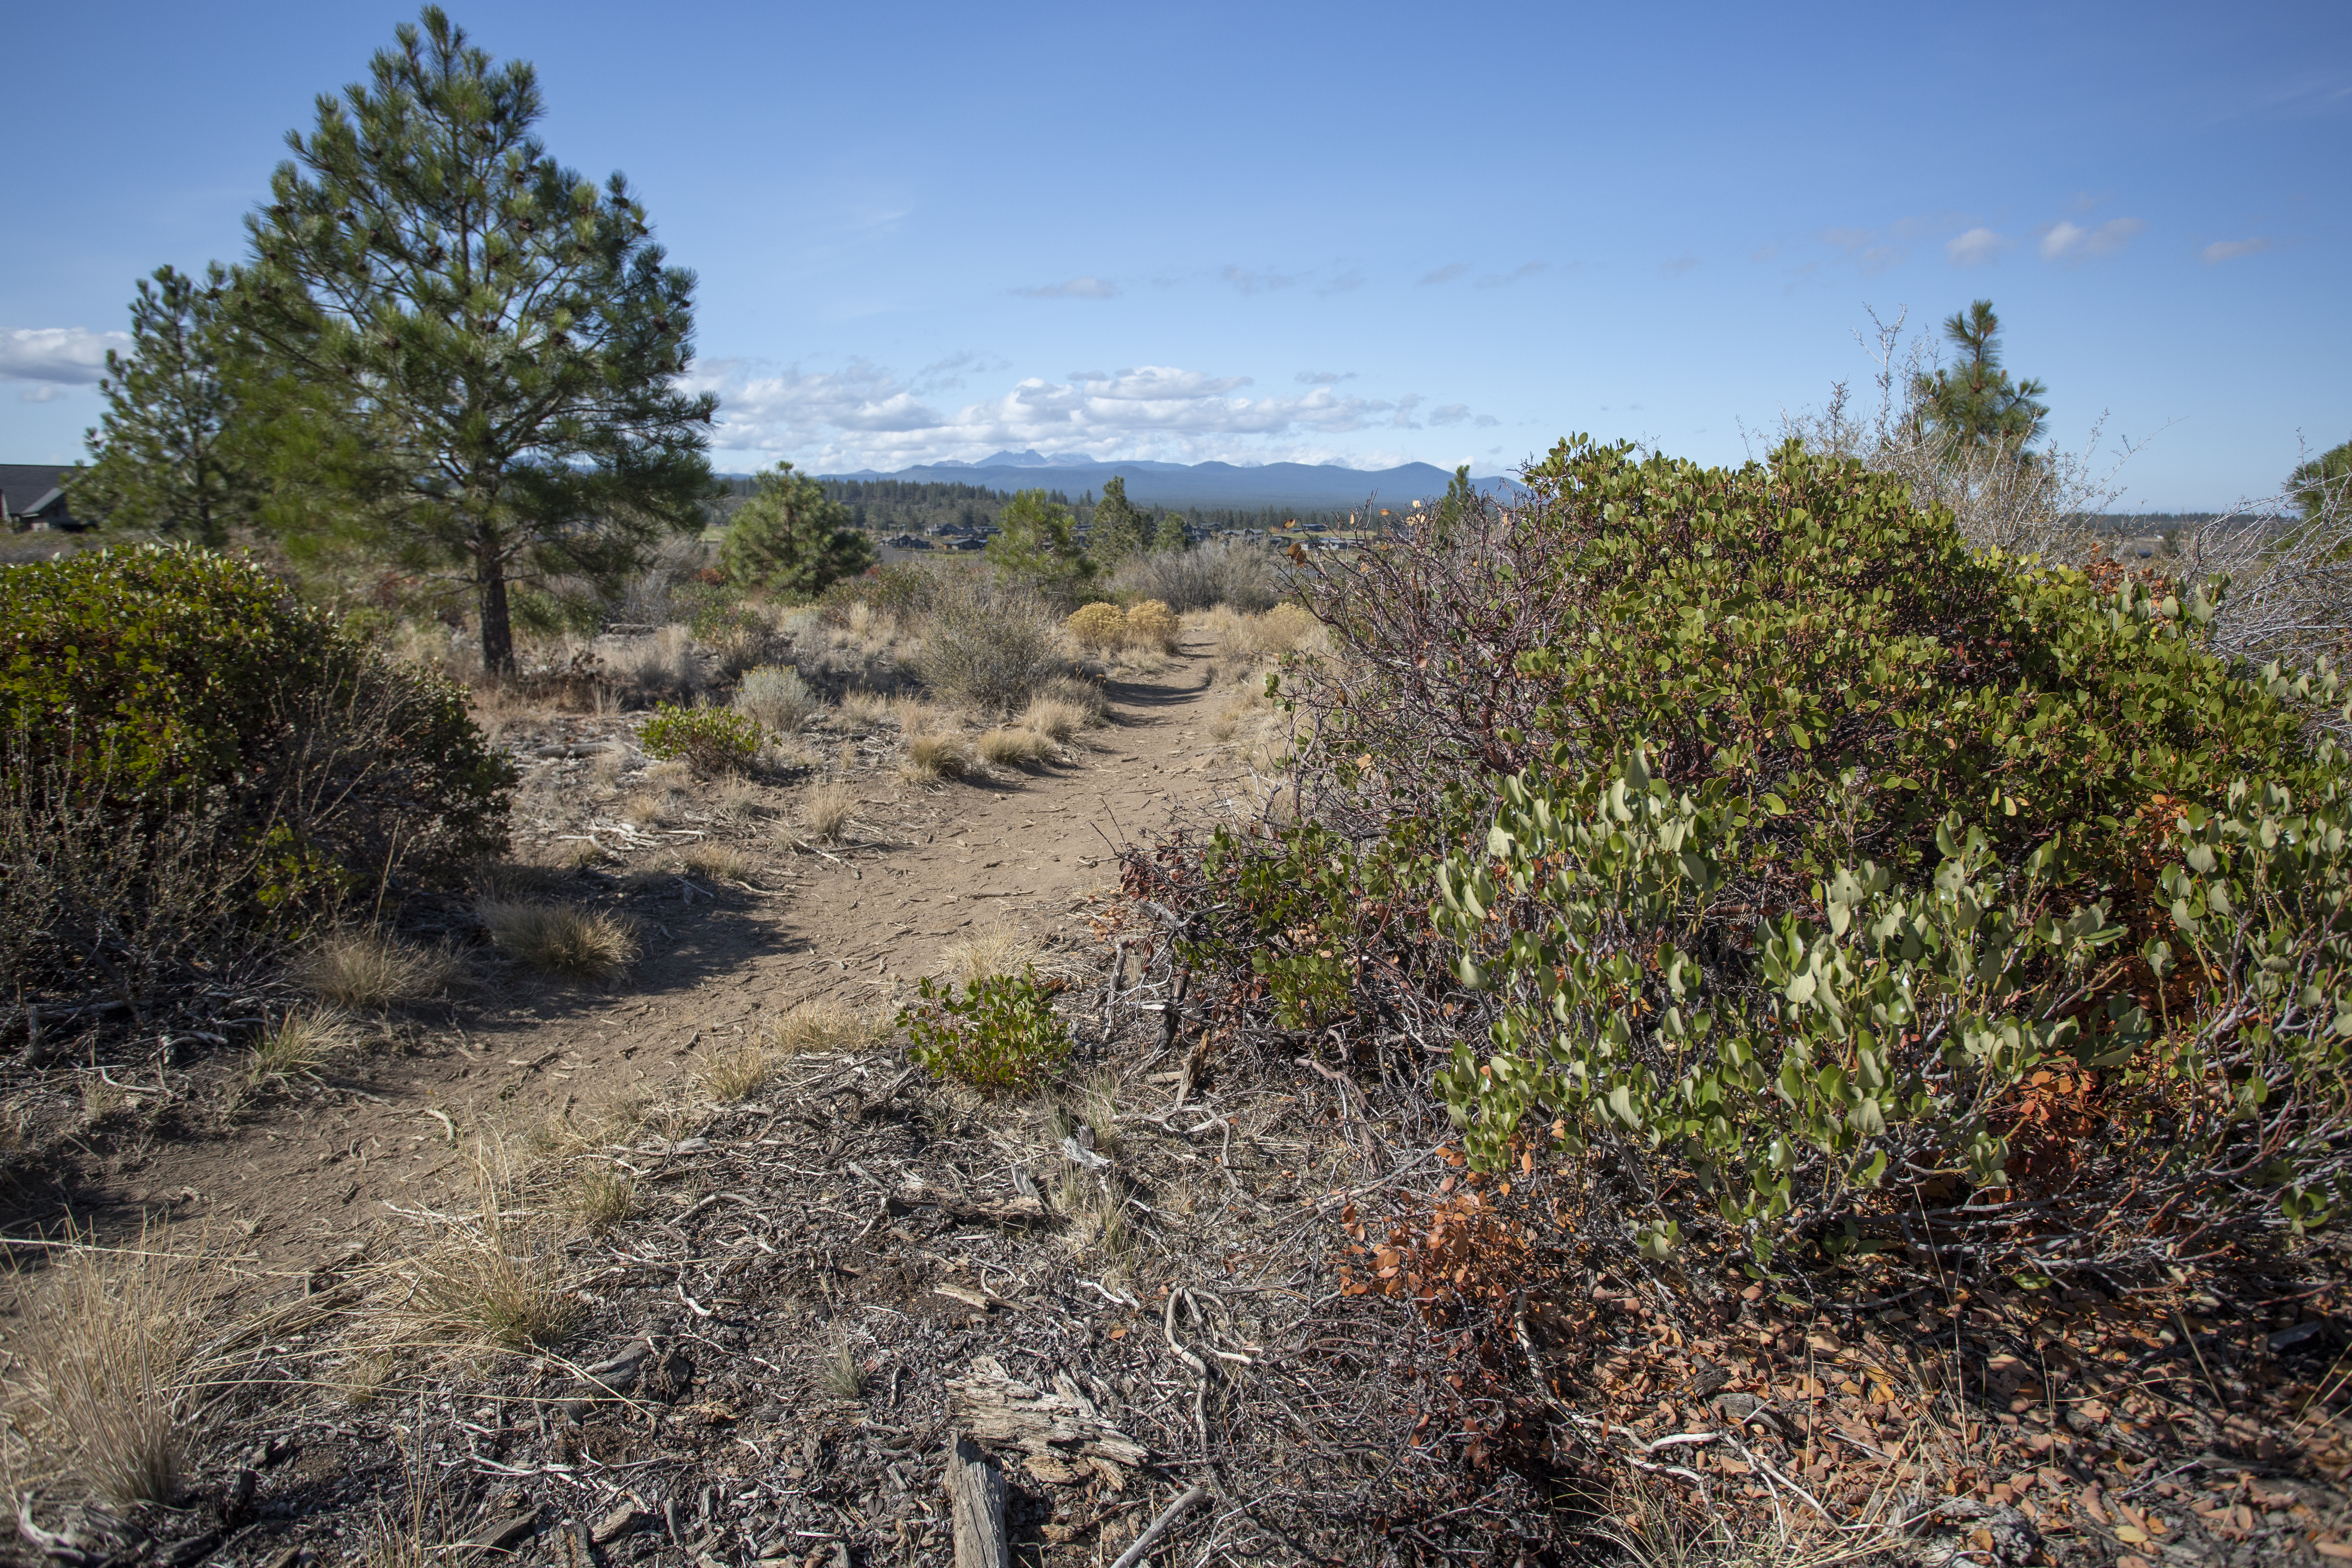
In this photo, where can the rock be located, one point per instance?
(1963, 1532)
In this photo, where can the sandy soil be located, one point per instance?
(294, 1181)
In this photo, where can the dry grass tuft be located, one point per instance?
(841, 1376)
(564, 939)
(1001, 948)
(741, 800)
(864, 709)
(826, 810)
(1055, 718)
(1012, 748)
(581, 854)
(298, 1046)
(937, 756)
(653, 807)
(1099, 1228)
(720, 862)
(826, 1027)
(104, 1354)
(492, 1283)
(362, 968)
(737, 1074)
(600, 1197)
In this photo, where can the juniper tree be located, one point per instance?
(1118, 530)
(510, 337)
(175, 451)
(791, 537)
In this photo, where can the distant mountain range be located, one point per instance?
(1195, 484)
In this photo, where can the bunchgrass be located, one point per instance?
(563, 938)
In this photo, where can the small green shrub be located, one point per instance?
(1000, 1033)
(278, 767)
(708, 740)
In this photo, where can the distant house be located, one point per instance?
(32, 495)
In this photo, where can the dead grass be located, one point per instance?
(104, 1357)
(1001, 948)
(740, 800)
(825, 811)
(1055, 718)
(494, 1282)
(600, 1197)
(296, 1046)
(1014, 748)
(1099, 1228)
(826, 1027)
(840, 1375)
(565, 939)
(865, 710)
(363, 968)
(720, 862)
(1083, 695)
(738, 1073)
(652, 807)
(932, 757)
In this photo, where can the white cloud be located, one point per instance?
(1347, 282)
(1448, 273)
(1526, 270)
(1323, 377)
(865, 415)
(1250, 283)
(49, 392)
(2231, 249)
(1677, 267)
(1976, 248)
(1450, 414)
(1074, 288)
(70, 354)
(2065, 241)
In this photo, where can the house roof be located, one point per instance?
(29, 488)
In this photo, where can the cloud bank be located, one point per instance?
(2231, 249)
(2064, 241)
(73, 355)
(865, 415)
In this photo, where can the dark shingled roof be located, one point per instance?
(29, 488)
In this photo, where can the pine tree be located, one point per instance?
(174, 452)
(1035, 544)
(1169, 535)
(1118, 530)
(2325, 477)
(512, 335)
(1973, 403)
(1461, 498)
(789, 537)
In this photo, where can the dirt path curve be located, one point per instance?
(297, 1184)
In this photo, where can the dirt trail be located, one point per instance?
(299, 1181)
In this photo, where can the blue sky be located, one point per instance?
(1364, 233)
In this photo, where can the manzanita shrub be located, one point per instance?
(708, 740)
(999, 1033)
(1745, 836)
(181, 700)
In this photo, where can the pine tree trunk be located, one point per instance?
(497, 631)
